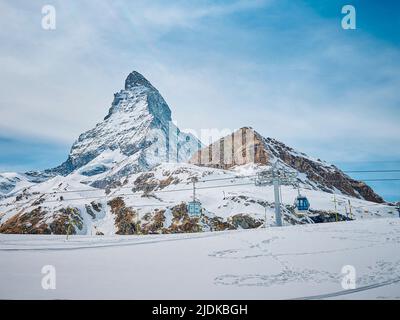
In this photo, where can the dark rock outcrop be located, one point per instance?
(125, 217)
(65, 220)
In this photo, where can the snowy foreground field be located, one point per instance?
(303, 261)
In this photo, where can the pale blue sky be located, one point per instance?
(286, 68)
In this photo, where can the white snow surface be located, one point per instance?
(302, 261)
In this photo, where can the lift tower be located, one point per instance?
(276, 176)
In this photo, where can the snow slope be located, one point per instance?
(224, 194)
(228, 192)
(303, 261)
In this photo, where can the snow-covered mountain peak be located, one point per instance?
(138, 127)
(140, 97)
(135, 80)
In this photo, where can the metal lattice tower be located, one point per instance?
(276, 176)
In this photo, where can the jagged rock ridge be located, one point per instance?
(248, 146)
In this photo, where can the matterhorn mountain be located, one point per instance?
(133, 173)
(137, 134)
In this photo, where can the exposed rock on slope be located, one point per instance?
(37, 221)
(247, 146)
(124, 217)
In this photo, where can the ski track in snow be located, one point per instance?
(352, 291)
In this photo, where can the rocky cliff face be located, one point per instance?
(241, 147)
(136, 135)
(247, 146)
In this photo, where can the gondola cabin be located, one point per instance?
(194, 208)
(302, 204)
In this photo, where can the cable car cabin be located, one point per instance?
(302, 204)
(194, 208)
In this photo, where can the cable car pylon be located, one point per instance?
(276, 176)
(194, 206)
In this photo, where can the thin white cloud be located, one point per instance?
(186, 14)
